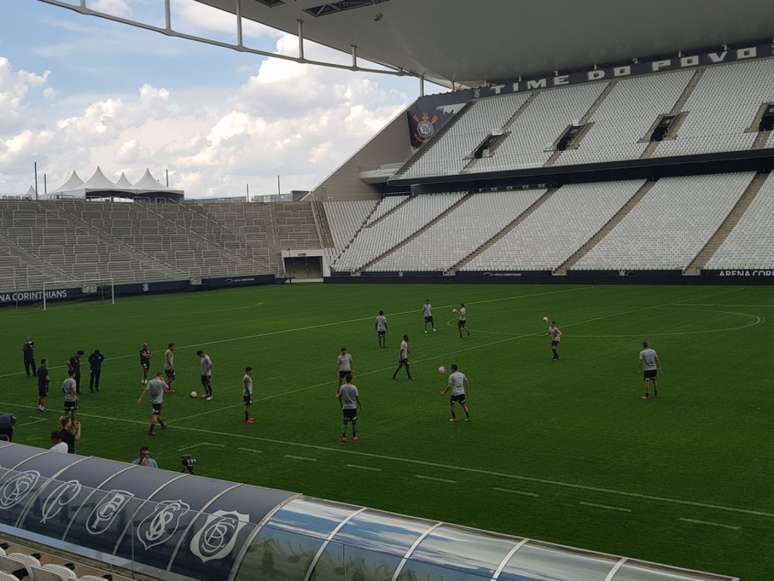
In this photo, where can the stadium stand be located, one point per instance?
(386, 206)
(469, 226)
(381, 235)
(619, 128)
(751, 243)
(669, 226)
(346, 219)
(556, 229)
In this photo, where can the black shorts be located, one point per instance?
(70, 406)
(343, 374)
(170, 373)
(428, 319)
(206, 380)
(42, 391)
(403, 362)
(649, 374)
(349, 415)
(381, 333)
(248, 399)
(156, 409)
(145, 365)
(461, 324)
(461, 399)
(554, 344)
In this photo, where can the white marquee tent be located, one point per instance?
(99, 186)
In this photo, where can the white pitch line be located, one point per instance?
(434, 479)
(605, 506)
(368, 468)
(416, 462)
(519, 492)
(302, 458)
(250, 450)
(200, 444)
(711, 524)
(33, 421)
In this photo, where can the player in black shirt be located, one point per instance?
(43, 381)
(145, 361)
(74, 366)
(95, 364)
(29, 357)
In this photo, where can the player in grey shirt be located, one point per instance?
(381, 329)
(206, 364)
(349, 399)
(650, 364)
(427, 312)
(155, 389)
(70, 391)
(343, 364)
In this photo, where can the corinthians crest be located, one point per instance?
(216, 539)
(106, 511)
(60, 498)
(424, 128)
(160, 525)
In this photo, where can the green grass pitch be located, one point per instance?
(564, 452)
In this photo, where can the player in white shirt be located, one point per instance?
(427, 311)
(458, 384)
(206, 377)
(381, 329)
(247, 394)
(349, 399)
(462, 320)
(343, 365)
(650, 364)
(556, 336)
(403, 359)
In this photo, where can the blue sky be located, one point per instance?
(84, 91)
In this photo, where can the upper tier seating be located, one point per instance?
(448, 154)
(722, 109)
(751, 243)
(533, 134)
(670, 225)
(620, 125)
(469, 226)
(559, 227)
(379, 237)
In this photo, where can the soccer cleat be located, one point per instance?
(467, 419)
(644, 397)
(435, 330)
(343, 440)
(355, 438)
(250, 421)
(452, 419)
(425, 331)
(208, 398)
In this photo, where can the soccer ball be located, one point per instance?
(454, 310)
(545, 319)
(194, 395)
(442, 370)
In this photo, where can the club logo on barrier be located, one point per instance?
(216, 539)
(159, 526)
(107, 510)
(16, 489)
(61, 497)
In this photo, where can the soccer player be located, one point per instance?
(458, 385)
(43, 382)
(381, 329)
(247, 394)
(95, 366)
(58, 446)
(169, 366)
(427, 310)
(403, 359)
(206, 367)
(28, 349)
(145, 361)
(74, 365)
(462, 320)
(70, 391)
(343, 365)
(650, 364)
(155, 388)
(349, 399)
(556, 336)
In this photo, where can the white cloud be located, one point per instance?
(190, 16)
(14, 89)
(115, 7)
(297, 121)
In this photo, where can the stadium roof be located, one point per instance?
(472, 41)
(178, 527)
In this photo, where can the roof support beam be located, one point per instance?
(238, 12)
(300, 40)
